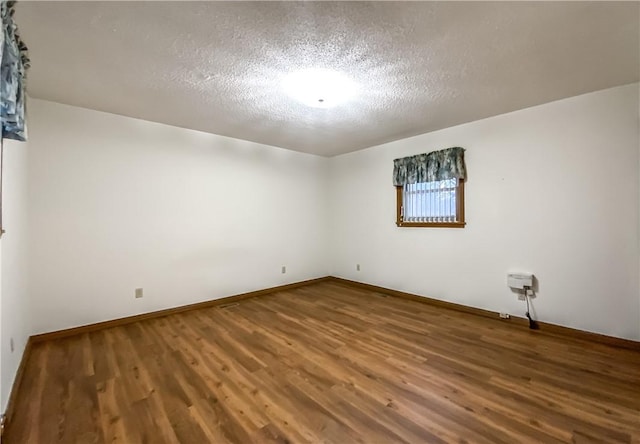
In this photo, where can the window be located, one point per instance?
(430, 189)
(438, 203)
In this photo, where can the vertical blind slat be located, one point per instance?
(439, 200)
(433, 201)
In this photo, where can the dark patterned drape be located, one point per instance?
(14, 62)
(430, 167)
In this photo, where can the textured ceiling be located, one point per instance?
(420, 66)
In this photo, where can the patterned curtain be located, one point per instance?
(14, 62)
(430, 167)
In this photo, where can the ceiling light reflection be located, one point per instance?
(319, 88)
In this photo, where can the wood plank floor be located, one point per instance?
(326, 363)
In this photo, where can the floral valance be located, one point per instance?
(13, 66)
(430, 167)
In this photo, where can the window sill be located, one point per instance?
(432, 224)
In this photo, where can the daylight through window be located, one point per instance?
(437, 203)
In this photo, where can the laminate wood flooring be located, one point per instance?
(326, 363)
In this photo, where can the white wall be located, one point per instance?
(118, 203)
(14, 299)
(552, 190)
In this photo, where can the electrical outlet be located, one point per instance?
(11, 345)
(139, 293)
(357, 267)
(504, 316)
(284, 269)
(522, 297)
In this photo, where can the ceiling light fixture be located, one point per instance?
(319, 88)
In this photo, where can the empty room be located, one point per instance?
(319, 222)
